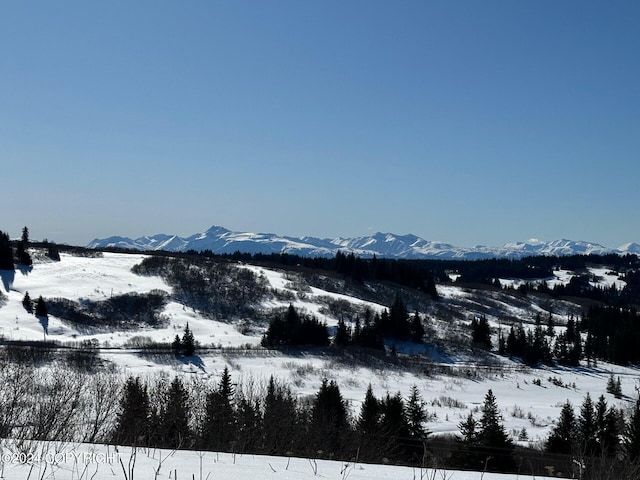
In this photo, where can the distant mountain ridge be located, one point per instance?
(221, 240)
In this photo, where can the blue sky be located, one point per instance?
(471, 122)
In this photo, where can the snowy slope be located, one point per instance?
(101, 462)
(389, 245)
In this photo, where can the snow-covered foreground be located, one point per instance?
(102, 462)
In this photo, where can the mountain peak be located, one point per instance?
(382, 244)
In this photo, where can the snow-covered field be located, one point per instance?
(101, 462)
(450, 393)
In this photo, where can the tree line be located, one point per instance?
(295, 329)
(424, 274)
(10, 256)
(271, 420)
(599, 435)
(601, 333)
(14, 253)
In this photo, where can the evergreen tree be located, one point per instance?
(614, 387)
(329, 421)
(174, 431)
(563, 436)
(369, 417)
(468, 454)
(249, 425)
(395, 427)
(132, 421)
(188, 342)
(540, 349)
(416, 329)
(342, 337)
(41, 308)
(53, 253)
(632, 435)
(370, 336)
(494, 439)
(279, 419)
(25, 236)
(27, 303)
(481, 332)
(606, 428)
(371, 442)
(176, 345)
(551, 331)
(574, 344)
(294, 329)
(589, 349)
(398, 320)
(6, 252)
(22, 256)
(416, 416)
(561, 350)
(587, 427)
(357, 330)
(219, 429)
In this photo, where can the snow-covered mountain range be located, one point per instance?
(221, 240)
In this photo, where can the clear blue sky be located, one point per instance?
(471, 122)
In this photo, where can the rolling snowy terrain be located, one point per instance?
(220, 240)
(452, 381)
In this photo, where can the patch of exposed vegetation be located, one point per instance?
(128, 311)
(217, 289)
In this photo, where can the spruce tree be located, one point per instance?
(587, 427)
(371, 443)
(468, 453)
(416, 329)
(132, 421)
(614, 387)
(562, 438)
(369, 417)
(416, 414)
(329, 419)
(248, 423)
(395, 427)
(174, 417)
(279, 419)
(188, 342)
(219, 428)
(6, 252)
(398, 319)
(41, 307)
(493, 437)
(27, 303)
(22, 256)
(342, 337)
(551, 331)
(176, 345)
(632, 435)
(606, 428)
(481, 332)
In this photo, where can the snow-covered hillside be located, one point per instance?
(388, 245)
(452, 382)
